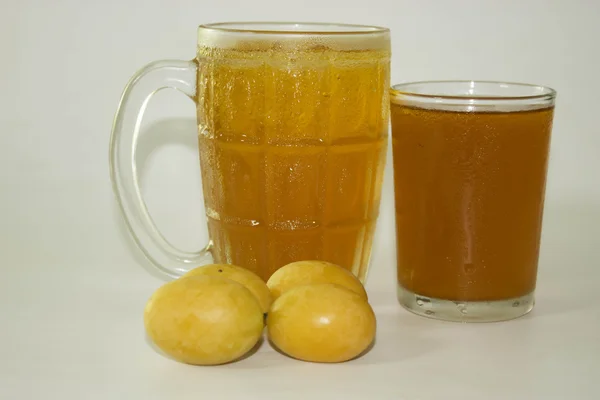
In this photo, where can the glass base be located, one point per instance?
(465, 311)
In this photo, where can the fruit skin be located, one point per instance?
(313, 272)
(204, 320)
(249, 279)
(321, 323)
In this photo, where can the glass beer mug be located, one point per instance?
(292, 136)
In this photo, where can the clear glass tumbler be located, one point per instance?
(470, 162)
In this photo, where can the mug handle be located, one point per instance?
(172, 74)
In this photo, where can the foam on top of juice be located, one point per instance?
(297, 37)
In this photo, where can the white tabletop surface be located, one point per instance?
(75, 332)
(73, 287)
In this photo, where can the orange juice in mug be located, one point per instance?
(292, 133)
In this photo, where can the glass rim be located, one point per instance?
(271, 27)
(545, 92)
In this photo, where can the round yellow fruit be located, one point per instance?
(313, 272)
(204, 320)
(249, 279)
(321, 323)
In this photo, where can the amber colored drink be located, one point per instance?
(292, 148)
(469, 198)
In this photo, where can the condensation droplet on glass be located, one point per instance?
(469, 268)
(462, 307)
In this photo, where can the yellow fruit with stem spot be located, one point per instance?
(249, 279)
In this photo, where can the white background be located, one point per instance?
(72, 286)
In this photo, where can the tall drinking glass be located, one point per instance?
(470, 162)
